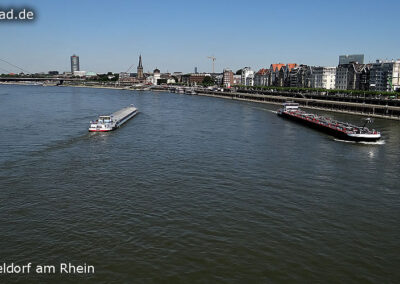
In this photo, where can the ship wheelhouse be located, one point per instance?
(104, 119)
(290, 106)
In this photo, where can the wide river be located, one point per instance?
(192, 190)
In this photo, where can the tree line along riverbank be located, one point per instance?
(373, 107)
(366, 104)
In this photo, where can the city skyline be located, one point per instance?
(179, 36)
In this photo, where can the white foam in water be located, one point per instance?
(380, 142)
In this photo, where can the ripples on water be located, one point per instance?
(193, 189)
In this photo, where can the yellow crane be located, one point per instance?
(213, 60)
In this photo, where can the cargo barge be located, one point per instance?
(340, 130)
(111, 122)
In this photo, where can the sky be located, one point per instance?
(180, 35)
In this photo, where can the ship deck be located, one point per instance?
(122, 113)
(330, 123)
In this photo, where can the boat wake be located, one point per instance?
(41, 150)
(380, 142)
(264, 109)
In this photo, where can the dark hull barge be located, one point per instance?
(337, 129)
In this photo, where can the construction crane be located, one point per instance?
(213, 60)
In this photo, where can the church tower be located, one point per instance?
(140, 69)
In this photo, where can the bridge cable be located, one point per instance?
(25, 71)
(130, 68)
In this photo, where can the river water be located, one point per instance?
(192, 190)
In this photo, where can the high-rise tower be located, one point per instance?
(347, 59)
(140, 69)
(74, 63)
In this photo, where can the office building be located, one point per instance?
(227, 79)
(385, 75)
(346, 59)
(74, 63)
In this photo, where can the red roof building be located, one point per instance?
(263, 71)
(276, 67)
(290, 66)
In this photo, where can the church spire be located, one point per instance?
(140, 61)
(140, 69)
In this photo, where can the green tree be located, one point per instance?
(116, 77)
(239, 72)
(208, 81)
(102, 77)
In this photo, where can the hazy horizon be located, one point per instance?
(178, 36)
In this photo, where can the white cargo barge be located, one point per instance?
(113, 121)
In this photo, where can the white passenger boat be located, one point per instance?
(113, 121)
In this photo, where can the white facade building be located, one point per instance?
(323, 77)
(247, 77)
(171, 80)
(261, 78)
(80, 73)
(153, 79)
(156, 76)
